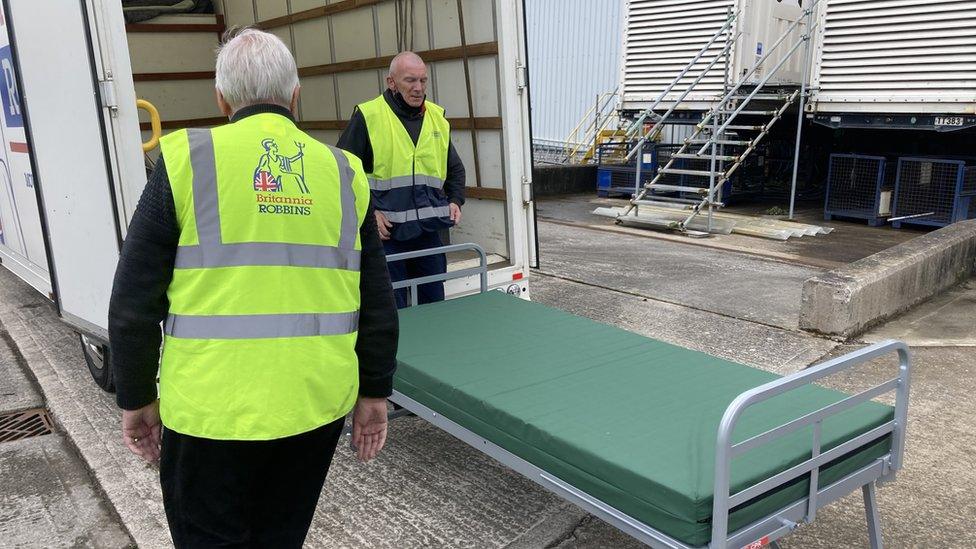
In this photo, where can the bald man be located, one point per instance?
(415, 176)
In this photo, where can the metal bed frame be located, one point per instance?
(774, 526)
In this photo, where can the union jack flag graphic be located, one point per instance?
(265, 182)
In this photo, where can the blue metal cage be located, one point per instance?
(857, 186)
(934, 191)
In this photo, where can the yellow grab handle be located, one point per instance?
(157, 128)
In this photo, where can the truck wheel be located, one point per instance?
(96, 355)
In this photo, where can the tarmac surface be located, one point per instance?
(731, 297)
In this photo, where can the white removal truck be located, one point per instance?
(73, 167)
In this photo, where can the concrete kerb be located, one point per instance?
(847, 301)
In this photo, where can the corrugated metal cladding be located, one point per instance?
(663, 36)
(898, 50)
(574, 54)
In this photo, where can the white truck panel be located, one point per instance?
(22, 247)
(896, 56)
(71, 153)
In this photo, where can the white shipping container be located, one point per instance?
(896, 56)
(663, 36)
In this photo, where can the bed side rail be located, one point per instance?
(481, 270)
(725, 450)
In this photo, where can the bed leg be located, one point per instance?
(871, 510)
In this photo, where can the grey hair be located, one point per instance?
(255, 67)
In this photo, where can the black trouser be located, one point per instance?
(244, 493)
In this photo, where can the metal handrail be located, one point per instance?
(725, 450)
(591, 132)
(413, 283)
(586, 116)
(593, 137)
(687, 92)
(635, 127)
(728, 96)
(719, 130)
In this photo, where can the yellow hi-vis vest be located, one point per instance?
(264, 302)
(407, 180)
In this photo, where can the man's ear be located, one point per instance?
(223, 105)
(294, 100)
(390, 83)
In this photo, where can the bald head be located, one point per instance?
(408, 77)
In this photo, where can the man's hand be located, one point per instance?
(384, 225)
(142, 430)
(369, 427)
(455, 214)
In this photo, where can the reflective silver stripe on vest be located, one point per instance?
(260, 254)
(420, 213)
(261, 326)
(205, 203)
(212, 252)
(347, 199)
(401, 181)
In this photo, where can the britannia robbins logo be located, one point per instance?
(279, 181)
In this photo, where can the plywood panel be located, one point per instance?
(184, 51)
(445, 19)
(448, 84)
(238, 12)
(318, 98)
(461, 139)
(355, 88)
(387, 28)
(451, 91)
(484, 222)
(490, 153)
(312, 44)
(302, 5)
(268, 9)
(354, 35)
(484, 85)
(180, 99)
(479, 20)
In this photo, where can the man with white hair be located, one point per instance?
(415, 175)
(257, 248)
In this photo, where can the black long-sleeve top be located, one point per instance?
(355, 139)
(139, 303)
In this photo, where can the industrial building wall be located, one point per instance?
(574, 54)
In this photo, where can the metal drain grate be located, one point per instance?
(26, 424)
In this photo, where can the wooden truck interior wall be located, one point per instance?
(343, 50)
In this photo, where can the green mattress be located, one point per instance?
(627, 419)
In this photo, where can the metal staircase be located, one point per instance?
(726, 136)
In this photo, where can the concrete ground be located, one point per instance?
(429, 490)
(948, 319)
(849, 242)
(740, 286)
(47, 496)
